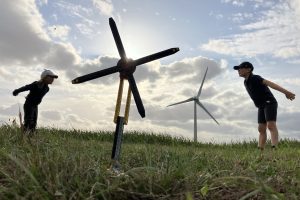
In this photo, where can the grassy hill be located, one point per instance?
(61, 164)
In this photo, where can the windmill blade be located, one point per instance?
(117, 38)
(155, 56)
(136, 95)
(188, 100)
(201, 105)
(199, 92)
(95, 75)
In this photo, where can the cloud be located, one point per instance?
(254, 3)
(16, 45)
(75, 120)
(239, 3)
(287, 52)
(271, 34)
(240, 17)
(192, 68)
(85, 29)
(82, 16)
(61, 56)
(5, 74)
(105, 6)
(32, 45)
(42, 2)
(59, 31)
(287, 121)
(11, 110)
(51, 115)
(293, 81)
(75, 10)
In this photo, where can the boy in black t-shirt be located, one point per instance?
(37, 91)
(257, 88)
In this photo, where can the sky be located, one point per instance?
(73, 38)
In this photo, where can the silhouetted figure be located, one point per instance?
(37, 91)
(258, 89)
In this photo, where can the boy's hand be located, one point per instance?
(290, 96)
(15, 93)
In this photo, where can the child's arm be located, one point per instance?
(22, 89)
(288, 94)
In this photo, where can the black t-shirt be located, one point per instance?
(36, 94)
(259, 92)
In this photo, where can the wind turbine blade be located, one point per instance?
(117, 38)
(95, 75)
(190, 99)
(200, 89)
(155, 56)
(136, 95)
(201, 105)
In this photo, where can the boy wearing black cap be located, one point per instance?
(37, 91)
(258, 89)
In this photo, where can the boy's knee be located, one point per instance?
(262, 128)
(272, 126)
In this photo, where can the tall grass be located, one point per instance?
(60, 164)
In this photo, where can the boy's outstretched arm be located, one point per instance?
(288, 94)
(22, 89)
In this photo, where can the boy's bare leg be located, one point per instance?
(274, 132)
(262, 129)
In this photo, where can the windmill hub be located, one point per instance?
(127, 67)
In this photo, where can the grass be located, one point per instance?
(61, 164)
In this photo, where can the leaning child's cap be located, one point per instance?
(244, 65)
(48, 72)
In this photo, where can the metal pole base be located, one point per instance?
(116, 150)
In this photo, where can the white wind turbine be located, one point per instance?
(196, 101)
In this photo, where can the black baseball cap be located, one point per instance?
(244, 65)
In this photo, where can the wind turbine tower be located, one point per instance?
(196, 102)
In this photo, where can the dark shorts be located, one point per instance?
(30, 117)
(267, 113)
